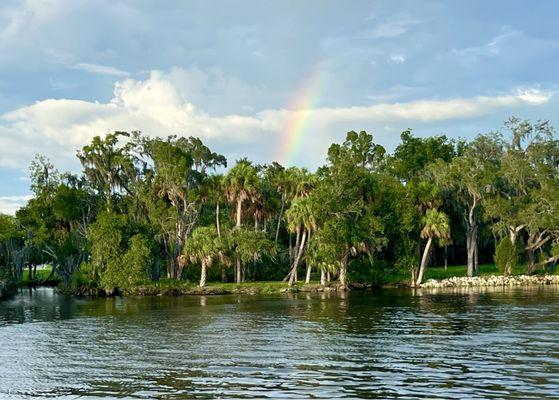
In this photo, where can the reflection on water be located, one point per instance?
(499, 342)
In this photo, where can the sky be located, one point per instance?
(270, 80)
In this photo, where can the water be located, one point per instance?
(391, 343)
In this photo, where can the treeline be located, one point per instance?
(149, 209)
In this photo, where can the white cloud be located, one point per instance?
(10, 204)
(493, 47)
(533, 96)
(397, 58)
(101, 69)
(387, 30)
(156, 106)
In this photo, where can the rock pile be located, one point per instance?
(493, 280)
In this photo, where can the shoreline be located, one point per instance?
(248, 288)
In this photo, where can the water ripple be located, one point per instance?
(467, 344)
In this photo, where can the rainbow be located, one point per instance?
(300, 113)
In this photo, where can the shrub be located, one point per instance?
(506, 256)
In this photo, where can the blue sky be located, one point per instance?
(229, 71)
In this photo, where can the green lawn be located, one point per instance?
(451, 271)
(42, 275)
(441, 273)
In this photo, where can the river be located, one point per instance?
(369, 344)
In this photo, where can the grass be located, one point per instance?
(41, 276)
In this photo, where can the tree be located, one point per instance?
(204, 246)
(241, 184)
(436, 226)
(342, 200)
(179, 167)
(108, 166)
(249, 246)
(414, 154)
(506, 256)
(121, 255)
(470, 177)
(300, 219)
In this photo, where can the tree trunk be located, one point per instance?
(203, 274)
(535, 241)
(290, 249)
(223, 274)
(471, 238)
(308, 276)
(476, 259)
(328, 276)
(445, 257)
(531, 262)
(293, 276)
(424, 261)
(343, 271)
(322, 276)
(239, 212)
(280, 218)
(238, 270)
(217, 223)
(297, 242)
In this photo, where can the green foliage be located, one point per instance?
(250, 245)
(120, 257)
(414, 154)
(436, 225)
(364, 214)
(506, 256)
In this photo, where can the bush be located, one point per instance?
(506, 256)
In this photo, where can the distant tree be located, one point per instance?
(248, 246)
(470, 178)
(241, 184)
(506, 256)
(436, 226)
(204, 246)
(300, 219)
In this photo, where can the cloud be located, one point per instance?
(493, 47)
(10, 204)
(397, 25)
(156, 106)
(397, 58)
(101, 69)
(387, 30)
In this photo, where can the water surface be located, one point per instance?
(390, 343)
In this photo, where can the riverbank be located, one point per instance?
(248, 288)
(493, 280)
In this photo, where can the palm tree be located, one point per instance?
(436, 225)
(240, 185)
(214, 191)
(203, 246)
(248, 246)
(320, 255)
(300, 219)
